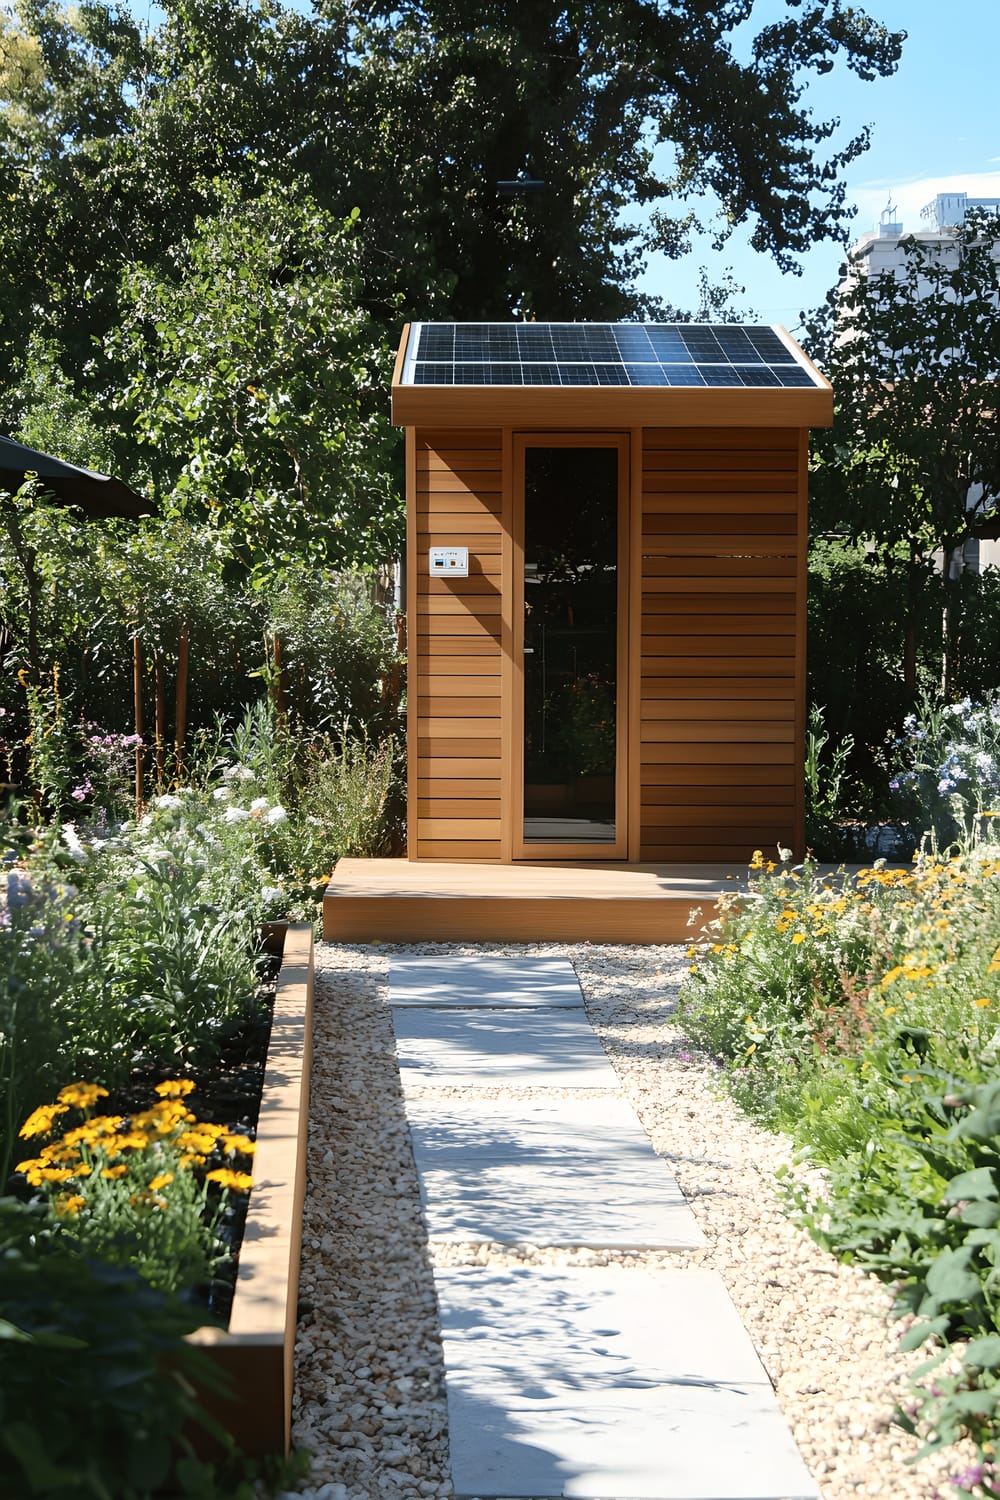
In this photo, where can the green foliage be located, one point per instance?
(825, 781)
(860, 1016)
(100, 1397)
(256, 385)
(51, 1014)
(338, 652)
(947, 777)
(128, 135)
(912, 463)
(341, 797)
(178, 909)
(88, 1405)
(95, 589)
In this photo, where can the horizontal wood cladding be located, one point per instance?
(719, 649)
(456, 628)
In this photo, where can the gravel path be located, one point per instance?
(370, 1396)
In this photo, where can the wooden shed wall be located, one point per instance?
(456, 491)
(721, 671)
(717, 644)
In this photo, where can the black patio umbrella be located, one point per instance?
(98, 495)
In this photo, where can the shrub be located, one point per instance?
(862, 1015)
(950, 773)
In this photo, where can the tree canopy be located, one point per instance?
(125, 148)
(912, 463)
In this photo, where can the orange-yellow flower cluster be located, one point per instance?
(163, 1139)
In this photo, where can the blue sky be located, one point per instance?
(935, 126)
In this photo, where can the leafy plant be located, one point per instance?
(98, 1391)
(950, 776)
(139, 1190)
(825, 782)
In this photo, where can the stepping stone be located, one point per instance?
(545, 1172)
(501, 982)
(623, 1385)
(499, 1048)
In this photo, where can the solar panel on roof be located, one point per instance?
(595, 354)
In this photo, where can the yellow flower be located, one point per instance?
(161, 1181)
(41, 1120)
(798, 937)
(757, 862)
(112, 1172)
(982, 1004)
(890, 1010)
(81, 1095)
(31, 1168)
(130, 1140)
(69, 1204)
(174, 1088)
(51, 1174)
(241, 1143)
(200, 1140)
(60, 1151)
(239, 1182)
(752, 1048)
(907, 1078)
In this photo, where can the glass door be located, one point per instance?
(572, 489)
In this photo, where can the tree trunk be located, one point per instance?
(161, 717)
(137, 699)
(910, 630)
(180, 698)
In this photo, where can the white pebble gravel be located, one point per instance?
(369, 1400)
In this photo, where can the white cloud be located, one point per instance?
(908, 198)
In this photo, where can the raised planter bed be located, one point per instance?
(256, 1352)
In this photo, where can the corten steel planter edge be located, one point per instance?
(256, 1352)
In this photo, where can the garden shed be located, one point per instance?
(606, 570)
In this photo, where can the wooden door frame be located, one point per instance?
(522, 850)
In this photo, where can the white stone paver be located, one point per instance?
(565, 1171)
(448, 980)
(528, 1049)
(594, 1383)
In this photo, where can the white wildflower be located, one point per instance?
(74, 848)
(276, 814)
(221, 794)
(272, 894)
(259, 805)
(235, 815)
(168, 801)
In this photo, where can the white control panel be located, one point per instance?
(449, 562)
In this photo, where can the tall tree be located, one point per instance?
(912, 463)
(441, 99)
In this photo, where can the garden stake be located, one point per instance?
(180, 701)
(161, 716)
(137, 694)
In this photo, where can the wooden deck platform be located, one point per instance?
(399, 901)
